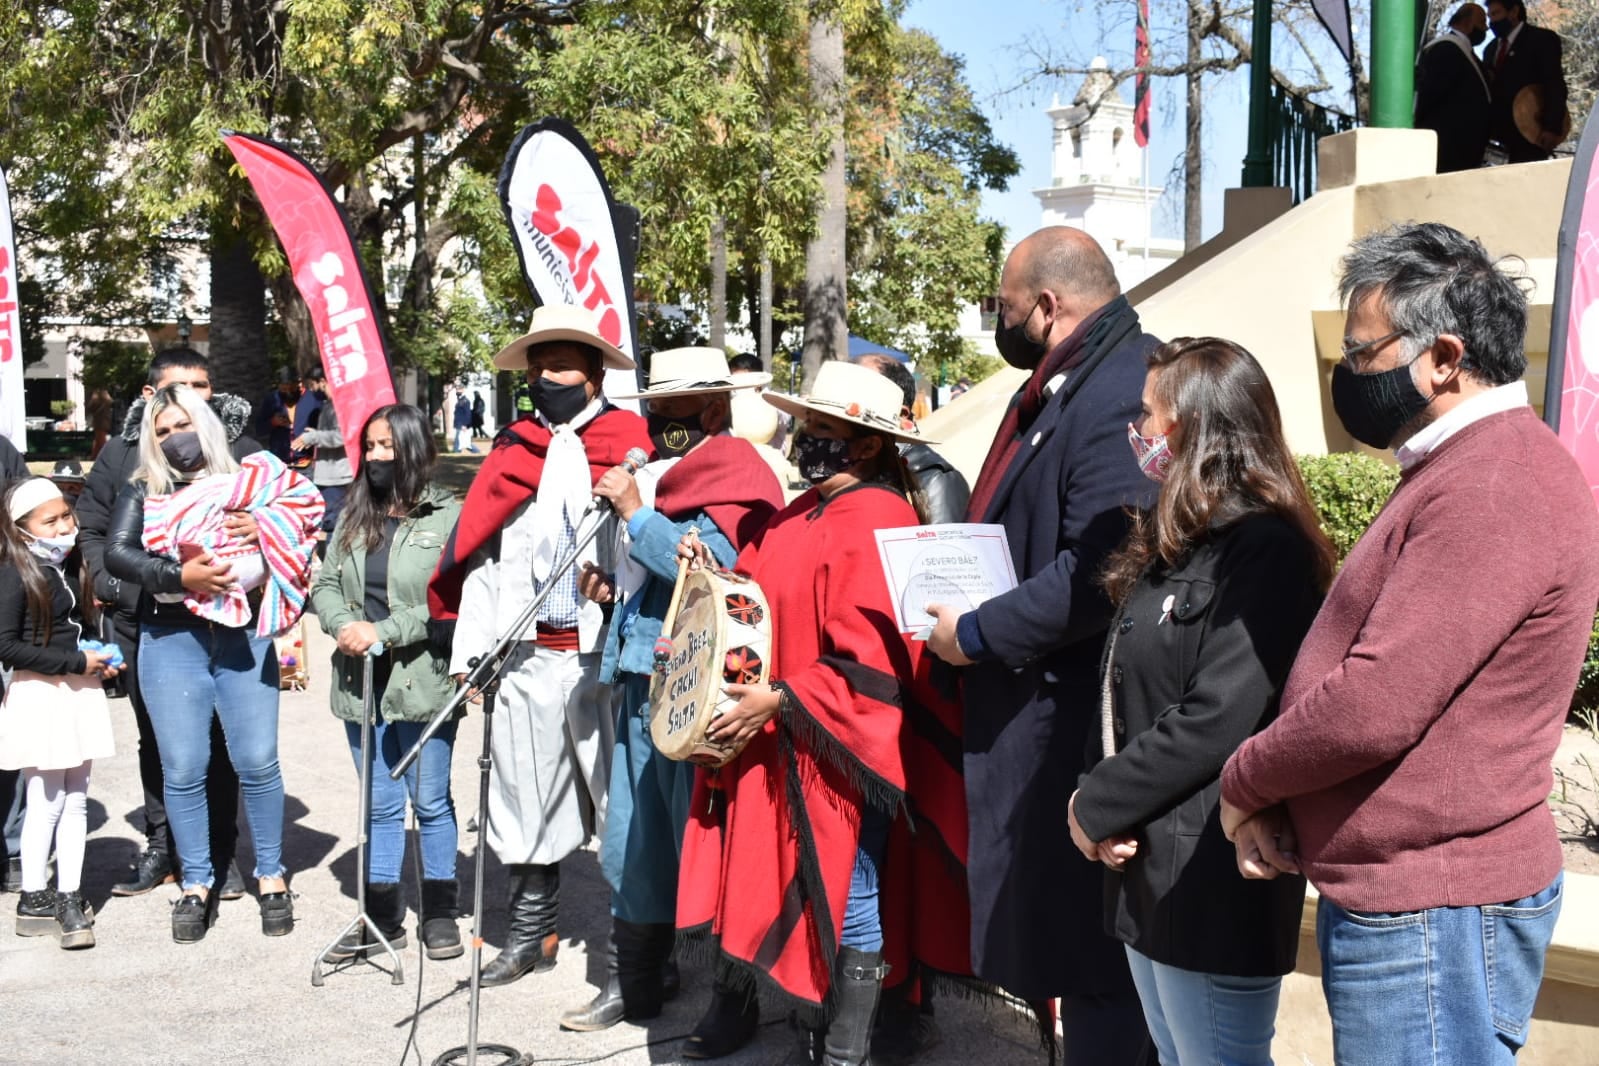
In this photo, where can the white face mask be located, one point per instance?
(53, 550)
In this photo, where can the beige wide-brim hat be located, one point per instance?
(851, 393)
(562, 322)
(691, 371)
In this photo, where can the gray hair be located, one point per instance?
(154, 470)
(1431, 279)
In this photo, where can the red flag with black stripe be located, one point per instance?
(1141, 92)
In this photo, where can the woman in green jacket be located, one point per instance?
(373, 591)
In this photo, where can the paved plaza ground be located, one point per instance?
(238, 997)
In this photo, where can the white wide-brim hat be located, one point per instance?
(851, 393)
(562, 322)
(691, 371)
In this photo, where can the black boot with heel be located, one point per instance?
(530, 939)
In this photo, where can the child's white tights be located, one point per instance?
(57, 809)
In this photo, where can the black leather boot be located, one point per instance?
(641, 954)
(605, 1009)
(36, 913)
(385, 905)
(77, 921)
(857, 981)
(904, 1030)
(729, 1023)
(440, 909)
(530, 937)
(153, 868)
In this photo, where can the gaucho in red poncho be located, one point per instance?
(859, 741)
(524, 514)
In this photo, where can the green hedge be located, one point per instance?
(1348, 491)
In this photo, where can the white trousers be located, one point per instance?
(553, 735)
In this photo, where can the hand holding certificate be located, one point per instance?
(959, 565)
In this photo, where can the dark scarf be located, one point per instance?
(1030, 399)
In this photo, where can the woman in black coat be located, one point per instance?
(1215, 589)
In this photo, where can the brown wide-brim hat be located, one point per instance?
(562, 322)
(690, 372)
(851, 393)
(1527, 110)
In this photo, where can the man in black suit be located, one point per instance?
(1059, 477)
(1523, 55)
(1452, 95)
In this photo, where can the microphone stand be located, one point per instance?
(362, 920)
(484, 677)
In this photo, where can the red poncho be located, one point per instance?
(509, 477)
(766, 872)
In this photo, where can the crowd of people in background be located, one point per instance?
(1101, 793)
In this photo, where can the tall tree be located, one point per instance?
(826, 293)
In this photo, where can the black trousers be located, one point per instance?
(221, 783)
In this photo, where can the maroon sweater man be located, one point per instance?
(1412, 752)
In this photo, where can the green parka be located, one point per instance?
(419, 684)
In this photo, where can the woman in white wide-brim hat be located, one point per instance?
(807, 808)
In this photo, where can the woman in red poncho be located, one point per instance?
(785, 844)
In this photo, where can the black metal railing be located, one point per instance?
(1297, 125)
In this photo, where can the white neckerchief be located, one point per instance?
(1492, 402)
(564, 488)
(632, 575)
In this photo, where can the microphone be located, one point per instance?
(635, 458)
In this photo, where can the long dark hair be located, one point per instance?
(365, 511)
(888, 467)
(1229, 460)
(14, 553)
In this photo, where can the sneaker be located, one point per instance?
(153, 868)
(76, 919)
(192, 916)
(233, 886)
(36, 913)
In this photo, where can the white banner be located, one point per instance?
(13, 410)
(560, 212)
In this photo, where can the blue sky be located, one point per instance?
(997, 49)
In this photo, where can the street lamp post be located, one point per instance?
(1257, 159)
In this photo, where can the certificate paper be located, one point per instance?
(959, 565)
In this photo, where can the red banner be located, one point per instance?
(13, 423)
(1141, 86)
(321, 250)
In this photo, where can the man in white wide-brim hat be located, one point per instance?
(700, 477)
(522, 515)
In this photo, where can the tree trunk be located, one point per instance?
(718, 284)
(1193, 156)
(765, 341)
(296, 320)
(826, 331)
(238, 318)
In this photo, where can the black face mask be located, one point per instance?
(183, 451)
(1477, 36)
(380, 476)
(1502, 28)
(559, 404)
(1016, 347)
(674, 435)
(1375, 407)
(819, 459)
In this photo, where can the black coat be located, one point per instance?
(1534, 59)
(20, 646)
(1452, 100)
(1036, 928)
(113, 469)
(1201, 655)
(943, 486)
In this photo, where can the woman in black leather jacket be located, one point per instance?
(191, 669)
(1216, 587)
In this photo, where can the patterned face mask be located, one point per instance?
(1153, 453)
(819, 459)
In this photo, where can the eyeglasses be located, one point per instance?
(1353, 353)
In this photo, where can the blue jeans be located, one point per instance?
(1450, 986)
(428, 784)
(188, 674)
(863, 922)
(645, 814)
(1206, 1019)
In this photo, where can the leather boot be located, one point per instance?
(606, 1008)
(729, 1023)
(641, 954)
(153, 868)
(530, 937)
(385, 905)
(857, 981)
(440, 909)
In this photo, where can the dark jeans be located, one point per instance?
(221, 784)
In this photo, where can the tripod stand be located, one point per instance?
(484, 677)
(362, 920)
